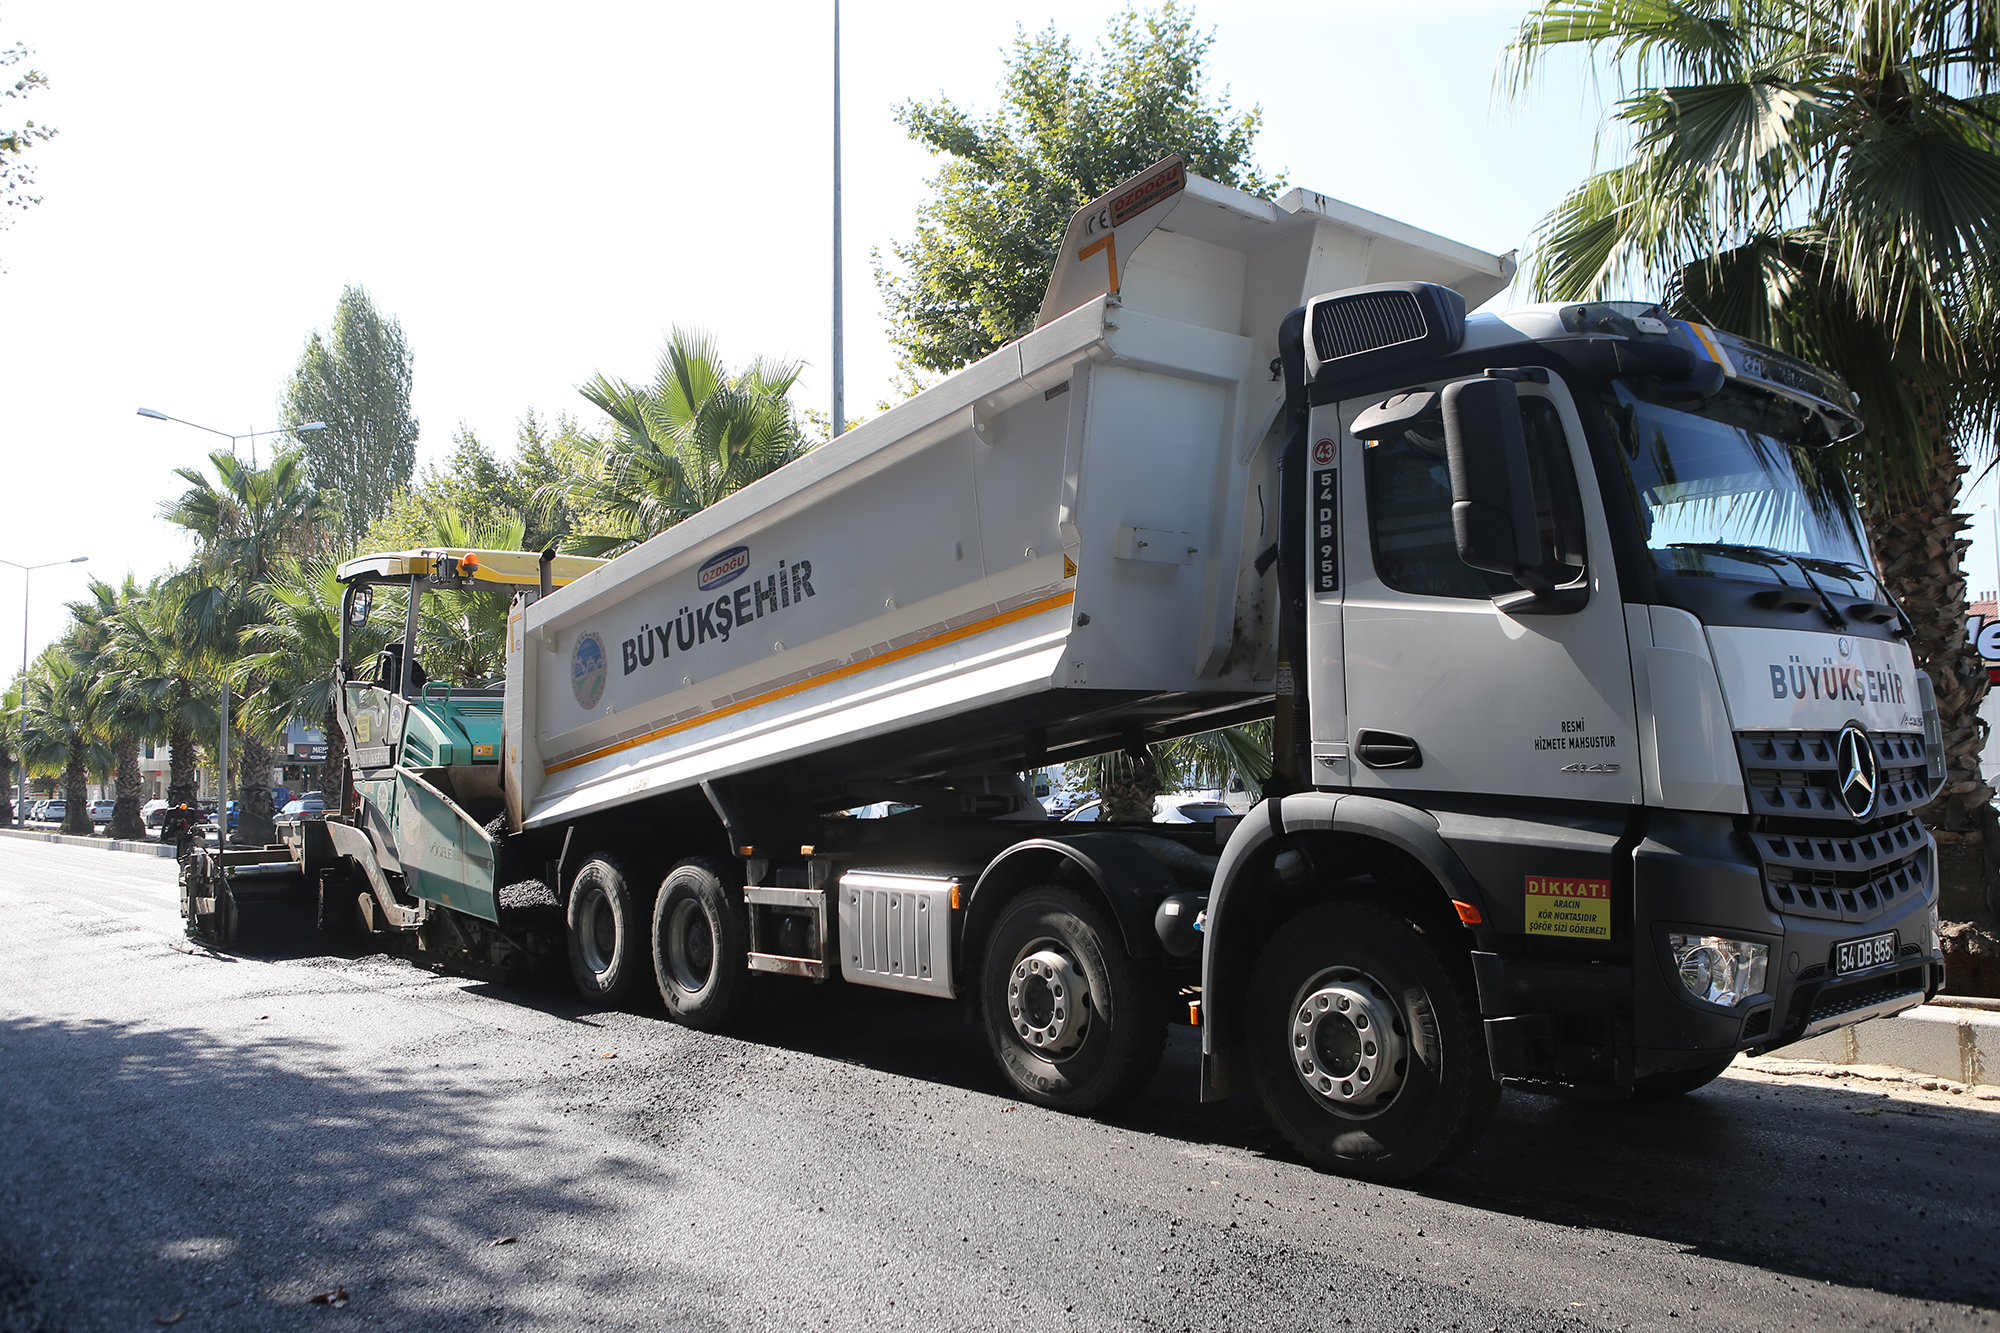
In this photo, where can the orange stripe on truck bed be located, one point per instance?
(825, 677)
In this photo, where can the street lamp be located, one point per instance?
(21, 790)
(222, 741)
(247, 435)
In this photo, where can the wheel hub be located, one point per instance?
(1347, 1042)
(1048, 1002)
(599, 932)
(690, 945)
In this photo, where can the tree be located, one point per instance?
(16, 177)
(55, 731)
(1823, 175)
(692, 436)
(356, 378)
(1070, 127)
(157, 657)
(122, 718)
(1128, 782)
(293, 652)
(10, 705)
(245, 520)
(482, 487)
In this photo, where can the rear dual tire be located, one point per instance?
(691, 940)
(607, 935)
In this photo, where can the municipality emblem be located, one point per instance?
(588, 668)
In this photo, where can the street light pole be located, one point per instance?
(21, 788)
(222, 739)
(839, 422)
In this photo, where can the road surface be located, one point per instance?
(204, 1141)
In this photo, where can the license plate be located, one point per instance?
(1859, 955)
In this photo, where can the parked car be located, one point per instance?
(100, 811)
(152, 812)
(52, 812)
(308, 805)
(1177, 808)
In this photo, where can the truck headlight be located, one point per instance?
(1937, 933)
(1717, 970)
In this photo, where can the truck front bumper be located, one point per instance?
(1597, 1027)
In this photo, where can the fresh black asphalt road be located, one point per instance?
(202, 1141)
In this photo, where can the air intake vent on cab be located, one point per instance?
(1364, 323)
(1365, 329)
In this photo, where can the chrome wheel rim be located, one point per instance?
(1048, 1000)
(1348, 1042)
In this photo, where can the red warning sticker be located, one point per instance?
(1575, 908)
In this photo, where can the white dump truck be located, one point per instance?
(1598, 740)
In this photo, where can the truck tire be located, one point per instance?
(1366, 1045)
(1075, 1023)
(1679, 1083)
(701, 946)
(607, 950)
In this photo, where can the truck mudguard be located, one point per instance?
(1227, 959)
(1133, 883)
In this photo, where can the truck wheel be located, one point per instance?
(1659, 1087)
(606, 942)
(1366, 1045)
(701, 947)
(1075, 1023)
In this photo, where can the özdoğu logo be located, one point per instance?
(721, 569)
(588, 669)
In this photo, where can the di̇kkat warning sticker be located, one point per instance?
(1572, 908)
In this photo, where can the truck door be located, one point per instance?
(1444, 691)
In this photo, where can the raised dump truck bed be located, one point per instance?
(1050, 554)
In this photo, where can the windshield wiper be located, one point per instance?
(1772, 558)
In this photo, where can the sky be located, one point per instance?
(539, 193)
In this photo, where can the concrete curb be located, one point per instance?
(101, 844)
(1955, 1040)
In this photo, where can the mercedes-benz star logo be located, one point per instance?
(1857, 771)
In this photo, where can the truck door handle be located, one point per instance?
(1386, 749)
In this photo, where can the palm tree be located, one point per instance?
(245, 520)
(293, 652)
(692, 436)
(1128, 783)
(153, 659)
(55, 730)
(124, 718)
(10, 704)
(462, 636)
(1823, 175)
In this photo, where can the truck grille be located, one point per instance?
(1365, 322)
(1843, 877)
(1796, 773)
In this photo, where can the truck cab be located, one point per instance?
(1594, 644)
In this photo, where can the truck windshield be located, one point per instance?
(1730, 489)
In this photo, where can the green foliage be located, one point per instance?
(695, 434)
(480, 488)
(16, 177)
(1820, 174)
(1185, 763)
(356, 378)
(1071, 126)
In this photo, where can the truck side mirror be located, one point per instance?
(1492, 490)
(357, 612)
